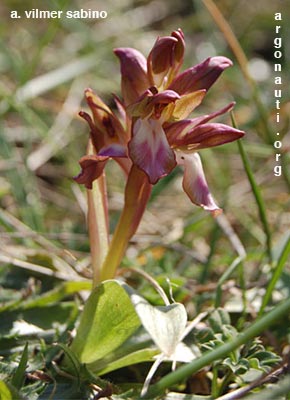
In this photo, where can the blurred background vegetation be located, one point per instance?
(46, 65)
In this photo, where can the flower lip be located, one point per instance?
(194, 182)
(149, 149)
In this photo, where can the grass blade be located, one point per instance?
(19, 376)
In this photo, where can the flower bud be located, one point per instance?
(165, 59)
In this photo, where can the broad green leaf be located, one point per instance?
(165, 324)
(108, 319)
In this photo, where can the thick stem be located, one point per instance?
(137, 193)
(98, 225)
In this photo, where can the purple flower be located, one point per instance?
(162, 136)
(153, 131)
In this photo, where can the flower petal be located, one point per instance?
(114, 150)
(194, 182)
(160, 59)
(99, 109)
(149, 149)
(201, 76)
(207, 135)
(176, 132)
(108, 128)
(134, 73)
(165, 97)
(187, 103)
(92, 168)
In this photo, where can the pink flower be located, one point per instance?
(154, 132)
(162, 136)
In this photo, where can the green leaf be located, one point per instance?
(218, 318)
(5, 392)
(267, 358)
(108, 319)
(8, 392)
(19, 375)
(130, 359)
(165, 324)
(251, 375)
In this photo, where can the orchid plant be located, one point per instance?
(149, 135)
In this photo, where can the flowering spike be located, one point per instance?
(152, 133)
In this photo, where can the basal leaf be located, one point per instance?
(108, 319)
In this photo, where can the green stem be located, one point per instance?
(215, 386)
(137, 193)
(220, 352)
(98, 224)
